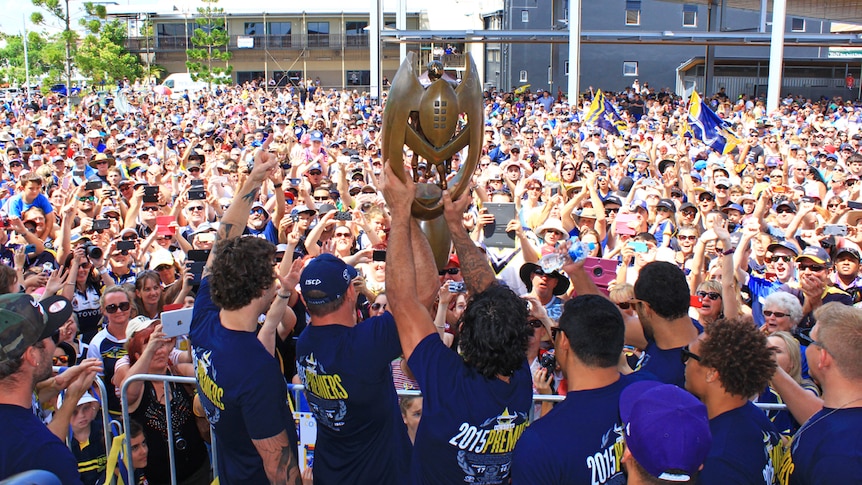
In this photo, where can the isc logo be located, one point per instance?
(312, 282)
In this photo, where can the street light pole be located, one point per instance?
(68, 35)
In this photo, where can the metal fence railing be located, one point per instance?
(294, 389)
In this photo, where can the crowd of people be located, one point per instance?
(713, 282)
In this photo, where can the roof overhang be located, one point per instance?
(833, 10)
(621, 37)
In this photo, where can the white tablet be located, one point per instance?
(177, 322)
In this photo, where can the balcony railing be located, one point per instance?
(165, 43)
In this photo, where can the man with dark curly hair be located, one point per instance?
(662, 301)
(725, 367)
(475, 404)
(240, 383)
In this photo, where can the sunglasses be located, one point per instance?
(833, 206)
(61, 360)
(130, 238)
(150, 208)
(774, 259)
(195, 208)
(194, 169)
(87, 198)
(556, 331)
(535, 323)
(378, 306)
(450, 271)
(785, 211)
(685, 354)
(625, 305)
(769, 313)
(341, 234)
(257, 211)
(612, 211)
(811, 267)
(321, 198)
(709, 294)
(687, 238)
(113, 307)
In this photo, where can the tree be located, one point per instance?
(68, 36)
(13, 70)
(208, 38)
(102, 55)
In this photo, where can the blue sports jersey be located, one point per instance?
(242, 390)
(26, 444)
(470, 424)
(827, 449)
(579, 442)
(746, 449)
(361, 437)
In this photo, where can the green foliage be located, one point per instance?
(102, 56)
(210, 39)
(57, 60)
(43, 54)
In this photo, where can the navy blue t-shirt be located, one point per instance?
(666, 364)
(469, 424)
(361, 437)
(827, 449)
(579, 441)
(26, 444)
(746, 449)
(242, 391)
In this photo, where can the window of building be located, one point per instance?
(318, 33)
(525, 16)
(278, 34)
(358, 78)
(689, 15)
(566, 68)
(172, 30)
(523, 77)
(797, 24)
(355, 28)
(253, 28)
(633, 12)
(630, 68)
(278, 28)
(355, 33)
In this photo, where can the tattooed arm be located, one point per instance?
(478, 275)
(278, 459)
(236, 217)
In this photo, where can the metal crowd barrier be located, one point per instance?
(105, 418)
(166, 380)
(295, 389)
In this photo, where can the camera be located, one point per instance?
(93, 251)
(549, 362)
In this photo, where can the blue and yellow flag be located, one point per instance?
(603, 114)
(707, 127)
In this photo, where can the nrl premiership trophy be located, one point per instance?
(436, 116)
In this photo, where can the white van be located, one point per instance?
(182, 81)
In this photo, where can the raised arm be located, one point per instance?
(236, 217)
(478, 274)
(411, 317)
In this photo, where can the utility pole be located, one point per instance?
(68, 34)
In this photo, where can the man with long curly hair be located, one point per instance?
(475, 404)
(726, 366)
(239, 381)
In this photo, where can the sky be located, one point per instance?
(16, 11)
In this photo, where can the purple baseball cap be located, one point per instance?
(666, 429)
(328, 277)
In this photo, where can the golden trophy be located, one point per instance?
(436, 116)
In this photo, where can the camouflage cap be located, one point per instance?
(24, 321)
